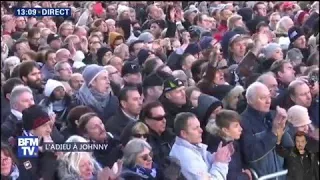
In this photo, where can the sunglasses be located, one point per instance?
(140, 135)
(146, 157)
(159, 118)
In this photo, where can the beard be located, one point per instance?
(35, 84)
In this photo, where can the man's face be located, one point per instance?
(34, 78)
(52, 26)
(25, 101)
(155, 29)
(112, 10)
(234, 130)
(76, 82)
(300, 42)
(262, 10)
(238, 48)
(65, 72)
(133, 104)
(288, 74)
(274, 20)
(177, 96)
(117, 63)
(302, 96)
(22, 48)
(96, 129)
(66, 30)
(63, 56)
(137, 47)
(51, 60)
(102, 83)
(56, 44)
(157, 121)
(43, 130)
(301, 142)
(272, 85)
(35, 40)
(133, 78)
(193, 132)
(21, 23)
(262, 100)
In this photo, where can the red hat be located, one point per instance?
(301, 16)
(287, 5)
(97, 9)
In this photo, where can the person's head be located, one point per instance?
(187, 127)
(182, 76)
(30, 74)
(116, 62)
(298, 116)
(227, 125)
(274, 19)
(65, 29)
(300, 94)
(8, 160)
(111, 25)
(234, 21)
(260, 9)
(91, 127)
(21, 23)
(96, 77)
(122, 51)
(37, 121)
(80, 31)
(259, 97)
(20, 47)
(131, 73)
(156, 27)
(152, 86)
(63, 70)
(295, 56)
(313, 77)
(135, 47)
(34, 36)
(284, 71)
(81, 163)
(174, 91)
(297, 37)
(114, 74)
(10, 63)
(273, 51)
(54, 90)
(187, 62)
(50, 59)
(63, 55)
(237, 46)
(270, 81)
(300, 139)
(225, 13)
(232, 98)
(192, 94)
(75, 114)
(94, 43)
(154, 116)
(137, 152)
(130, 100)
(140, 130)
(283, 25)
(76, 81)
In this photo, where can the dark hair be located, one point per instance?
(196, 69)
(123, 95)
(225, 117)
(33, 31)
(7, 150)
(150, 66)
(26, 67)
(278, 66)
(255, 6)
(15, 72)
(181, 122)
(299, 134)
(10, 84)
(183, 59)
(75, 114)
(146, 110)
(84, 120)
(19, 41)
(50, 51)
(190, 90)
(313, 59)
(198, 18)
(261, 24)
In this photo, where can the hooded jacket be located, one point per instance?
(112, 37)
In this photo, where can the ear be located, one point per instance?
(292, 98)
(149, 90)
(183, 133)
(8, 96)
(76, 122)
(167, 95)
(225, 131)
(24, 79)
(123, 104)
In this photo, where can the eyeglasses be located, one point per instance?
(159, 118)
(137, 135)
(146, 157)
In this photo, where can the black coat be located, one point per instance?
(107, 158)
(10, 127)
(117, 123)
(299, 166)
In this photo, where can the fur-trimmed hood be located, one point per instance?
(66, 173)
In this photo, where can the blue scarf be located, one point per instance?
(150, 173)
(15, 173)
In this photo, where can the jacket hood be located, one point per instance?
(112, 37)
(64, 172)
(206, 105)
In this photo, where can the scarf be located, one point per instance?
(150, 173)
(17, 114)
(93, 98)
(15, 172)
(58, 106)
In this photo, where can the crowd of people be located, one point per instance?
(177, 90)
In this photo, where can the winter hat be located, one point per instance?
(130, 67)
(101, 52)
(34, 117)
(112, 37)
(91, 72)
(50, 86)
(206, 105)
(226, 41)
(221, 91)
(78, 65)
(79, 56)
(143, 55)
(146, 37)
(245, 13)
(52, 37)
(299, 16)
(298, 116)
(205, 42)
(192, 48)
(270, 49)
(171, 83)
(295, 56)
(294, 33)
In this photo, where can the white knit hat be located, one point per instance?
(50, 86)
(79, 56)
(298, 116)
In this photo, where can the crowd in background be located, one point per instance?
(177, 90)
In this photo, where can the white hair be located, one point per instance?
(16, 93)
(253, 89)
(282, 24)
(110, 21)
(133, 148)
(73, 160)
(12, 60)
(61, 50)
(264, 76)
(76, 138)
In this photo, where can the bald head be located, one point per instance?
(63, 55)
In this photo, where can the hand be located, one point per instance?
(172, 15)
(279, 132)
(248, 172)
(223, 154)
(71, 48)
(108, 174)
(281, 117)
(84, 44)
(179, 15)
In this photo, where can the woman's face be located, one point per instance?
(86, 168)
(144, 159)
(278, 55)
(219, 78)
(233, 101)
(106, 58)
(6, 164)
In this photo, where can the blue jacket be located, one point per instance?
(196, 160)
(258, 142)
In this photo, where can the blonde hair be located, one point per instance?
(73, 160)
(236, 91)
(231, 21)
(140, 128)
(281, 25)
